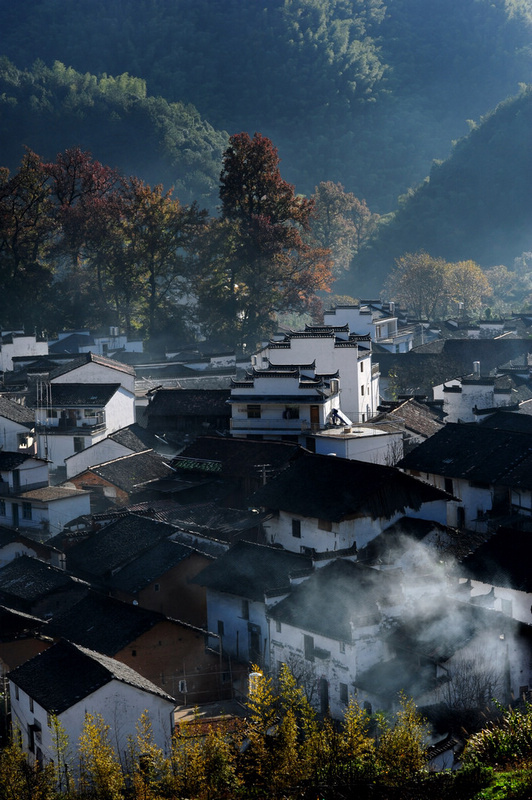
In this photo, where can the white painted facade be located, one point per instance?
(332, 350)
(471, 503)
(98, 453)
(14, 436)
(380, 325)
(120, 705)
(312, 534)
(96, 372)
(329, 663)
(91, 426)
(48, 517)
(21, 345)
(275, 405)
(463, 396)
(241, 625)
(511, 602)
(359, 443)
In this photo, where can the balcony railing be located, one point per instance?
(287, 425)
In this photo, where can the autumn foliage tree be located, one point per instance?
(254, 260)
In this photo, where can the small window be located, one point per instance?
(308, 646)
(448, 485)
(253, 412)
(342, 647)
(31, 705)
(368, 708)
(362, 390)
(296, 528)
(16, 693)
(277, 626)
(362, 366)
(344, 694)
(79, 444)
(2, 508)
(156, 587)
(133, 652)
(291, 412)
(245, 609)
(26, 510)
(220, 627)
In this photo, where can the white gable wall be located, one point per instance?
(228, 609)
(92, 372)
(99, 453)
(120, 705)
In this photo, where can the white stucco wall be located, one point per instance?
(92, 372)
(21, 346)
(9, 431)
(361, 444)
(330, 664)
(99, 453)
(120, 705)
(235, 640)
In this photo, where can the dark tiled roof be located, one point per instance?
(133, 471)
(47, 494)
(509, 421)
(82, 394)
(135, 438)
(15, 412)
(417, 417)
(332, 488)
(146, 569)
(504, 560)
(241, 457)
(28, 579)
(115, 545)
(189, 403)
(473, 452)
(211, 519)
(334, 596)
(87, 358)
(71, 343)
(248, 570)
(103, 623)
(66, 673)
(443, 360)
(11, 460)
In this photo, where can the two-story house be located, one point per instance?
(235, 584)
(27, 501)
(284, 402)
(486, 470)
(380, 322)
(331, 348)
(326, 503)
(69, 681)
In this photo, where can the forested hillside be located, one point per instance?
(475, 205)
(369, 94)
(365, 92)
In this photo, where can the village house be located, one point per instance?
(23, 636)
(327, 628)
(235, 584)
(37, 588)
(285, 402)
(497, 574)
(28, 502)
(375, 319)
(13, 544)
(128, 558)
(69, 681)
(169, 653)
(325, 503)
(417, 420)
(123, 442)
(103, 344)
(17, 343)
(230, 468)
(17, 427)
(486, 470)
(123, 479)
(331, 349)
(470, 398)
(187, 413)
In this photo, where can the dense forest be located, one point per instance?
(414, 108)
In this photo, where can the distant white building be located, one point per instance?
(17, 343)
(377, 321)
